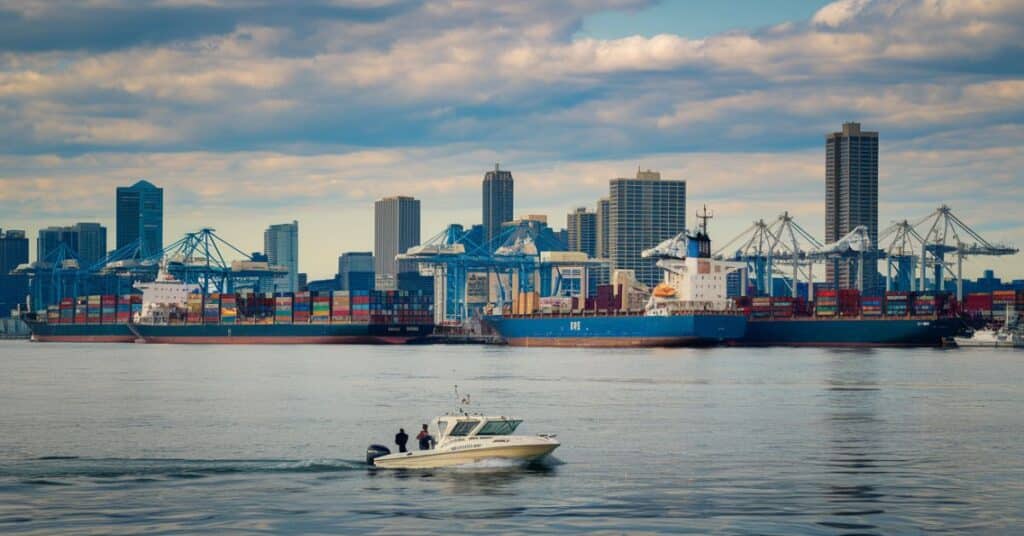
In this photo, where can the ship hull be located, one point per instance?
(851, 332)
(283, 333)
(232, 333)
(43, 332)
(619, 331)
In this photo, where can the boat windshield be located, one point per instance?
(463, 428)
(493, 428)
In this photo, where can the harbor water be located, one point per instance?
(132, 438)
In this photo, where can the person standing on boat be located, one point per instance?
(425, 438)
(400, 439)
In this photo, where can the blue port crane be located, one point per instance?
(947, 234)
(767, 248)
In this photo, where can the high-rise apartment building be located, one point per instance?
(851, 199)
(644, 211)
(396, 229)
(13, 287)
(582, 229)
(140, 213)
(498, 196)
(603, 227)
(281, 246)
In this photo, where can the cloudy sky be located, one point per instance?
(250, 114)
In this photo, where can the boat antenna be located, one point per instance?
(461, 401)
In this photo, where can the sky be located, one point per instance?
(250, 114)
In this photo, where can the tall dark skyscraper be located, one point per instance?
(50, 238)
(87, 240)
(92, 242)
(13, 288)
(643, 212)
(498, 201)
(140, 212)
(851, 199)
(396, 229)
(581, 226)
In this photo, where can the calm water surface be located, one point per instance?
(143, 439)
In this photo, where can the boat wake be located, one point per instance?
(50, 467)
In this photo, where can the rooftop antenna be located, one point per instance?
(497, 166)
(704, 217)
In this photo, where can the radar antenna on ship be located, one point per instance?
(704, 216)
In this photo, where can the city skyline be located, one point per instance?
(738, 114)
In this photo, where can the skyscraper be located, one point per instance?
(355, 271)
(50, 238)
(281, 245)
(582, 229)
(92, 242)
(851, 199)
(603, 227)
(88, 241)
(396, 229)
(643, 212)
(140, 212)
(13, 288)
(498, 204)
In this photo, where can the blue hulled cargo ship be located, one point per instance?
(620, 330)
(688, 308)
(883, 331)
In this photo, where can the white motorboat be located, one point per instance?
(465, 439)
(991, 338)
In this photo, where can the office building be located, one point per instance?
(851, 199)
(140, 213)
(50, 238)
(355, 271)
(603, 227)
(13, 288)
(644, 211)
(281, 246)
(396, 229)
(581, 226)
(498, 204)
(92, 242)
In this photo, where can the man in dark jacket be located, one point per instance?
(400, 439)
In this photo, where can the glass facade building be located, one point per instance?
(281, 246)
(581, 226)
(643, 212)
(140, 213)
(13, 288)
(355, 271)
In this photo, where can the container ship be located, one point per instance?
(688, 308)
(845, 318)
(169, 311)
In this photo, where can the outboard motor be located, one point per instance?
(376, 451)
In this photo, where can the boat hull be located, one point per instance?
(619, 331)
(851, 332)
(283, 333)
(428, 459)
